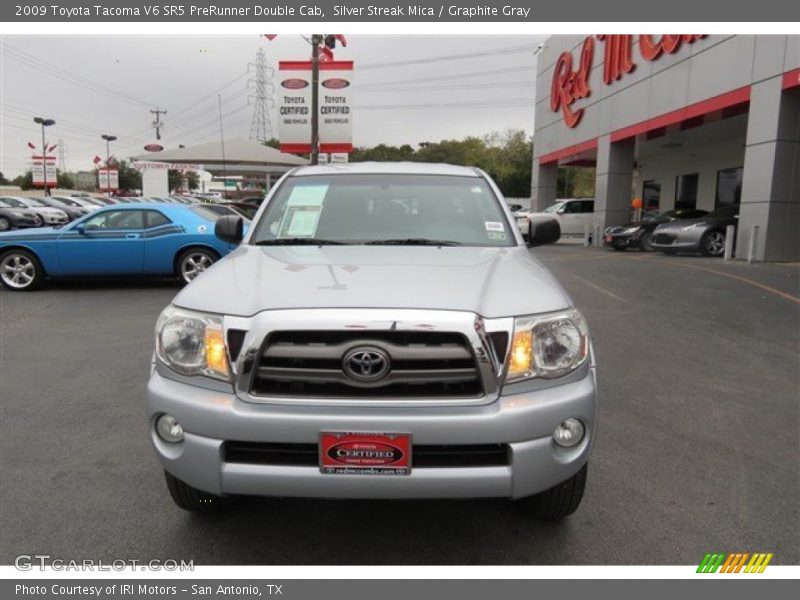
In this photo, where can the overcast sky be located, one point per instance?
(107, 84)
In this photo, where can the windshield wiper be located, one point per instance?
(299, 242)
(411, 242)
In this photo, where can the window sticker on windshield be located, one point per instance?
(307, 195)
(301, 221)
(496, 235)
(494, 226)
(476, 189)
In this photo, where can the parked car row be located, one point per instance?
(679, 230)
(120, 240)
(18, 212)
(682, 230)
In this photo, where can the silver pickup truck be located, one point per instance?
(382, 331)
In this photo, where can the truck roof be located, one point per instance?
(390, 168)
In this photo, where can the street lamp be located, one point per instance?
(108, 139)
(44, 123)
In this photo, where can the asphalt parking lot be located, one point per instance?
(697, 448)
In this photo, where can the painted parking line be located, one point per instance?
(651, 256)
(600, 288)
(762, 286)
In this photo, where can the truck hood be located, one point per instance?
(492, 282)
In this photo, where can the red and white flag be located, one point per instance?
(325, 54)
(341, 39)
(31, 146)
(269, 36)
(97, 160)
(53, 147)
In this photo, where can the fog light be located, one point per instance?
(169, 429)
(569, 433)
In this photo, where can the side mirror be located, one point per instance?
(543, 230)
(230, 228)
(81, 228)
(561, 210)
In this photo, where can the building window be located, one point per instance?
(651, 195)
(729, 187)
(686, 191)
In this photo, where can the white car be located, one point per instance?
(572, 214)
(47, 215)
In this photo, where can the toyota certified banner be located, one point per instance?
(295, 105)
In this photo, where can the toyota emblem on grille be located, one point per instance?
(366, 364)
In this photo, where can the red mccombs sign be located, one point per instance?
(571, 81)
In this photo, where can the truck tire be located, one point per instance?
(559, 501)
(191, 499)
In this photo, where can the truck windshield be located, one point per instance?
(384, 209)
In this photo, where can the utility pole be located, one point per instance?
(44, 123)
(316, 40)
(157, 123)
(261, 124)
(108, 138)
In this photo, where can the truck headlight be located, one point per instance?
(192, 343)
(548, 346)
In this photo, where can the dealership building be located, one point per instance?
(698, 121)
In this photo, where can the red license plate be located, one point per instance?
(357, 453)
(609, 238)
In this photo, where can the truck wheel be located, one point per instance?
(557, 502)
(20, 270)
(190, 498)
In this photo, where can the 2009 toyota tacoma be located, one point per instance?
(382, 331)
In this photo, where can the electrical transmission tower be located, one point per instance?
(263, 98)
(62, 156)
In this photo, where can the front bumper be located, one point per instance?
(620, 240)
(523, 421)
(51, 219)
(23, 222)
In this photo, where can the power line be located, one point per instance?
(518, 69)
(522, 102)
(65, 75)
(458, 86)
(434, 59)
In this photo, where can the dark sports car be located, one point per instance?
(705, 235)
(639, 234)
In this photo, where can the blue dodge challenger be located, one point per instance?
(130, 239)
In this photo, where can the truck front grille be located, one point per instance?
(311, 364)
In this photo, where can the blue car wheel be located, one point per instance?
(193, 262)
(20, 270)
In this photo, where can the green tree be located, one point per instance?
(3, 180)
(129, 178)
(24, 181)
(192, 180)
(65, 181)
(575, 182)
(174, 180)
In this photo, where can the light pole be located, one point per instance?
(108, 139)
(44, 123)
